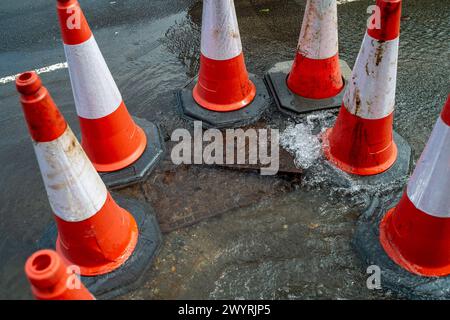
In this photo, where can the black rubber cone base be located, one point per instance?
(397, 173)
(393, 277)
(190, 110)
(130, 275)
(139, 170)
(292, 104)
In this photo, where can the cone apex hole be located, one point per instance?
(25, 76)
(41, 262)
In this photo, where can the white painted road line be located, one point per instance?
(54, 67)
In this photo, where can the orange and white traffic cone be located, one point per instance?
(111, 138)
(416, 233)
(224, 94)
(410, 243)
(362, 139)
(94, 232)
(315, 80)
(52, 279)
(316, 73)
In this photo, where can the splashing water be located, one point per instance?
(302, 144)
(302, 139)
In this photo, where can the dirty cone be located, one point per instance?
(123, 149)
(93, 231)
(362, 141)
(416, 233)
(412, 245)
(223, 94)
(52, 279)
(316, 78)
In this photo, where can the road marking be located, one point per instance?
(54, 67)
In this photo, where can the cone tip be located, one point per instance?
(65, 3)
(388, 2)
(43, 268)
(28, 83)
(445, 115)
(390, 16)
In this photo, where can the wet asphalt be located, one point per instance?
(296, 246)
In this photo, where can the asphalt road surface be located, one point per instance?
(266, 250)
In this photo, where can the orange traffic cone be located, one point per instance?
(316, 73)
(94, 232)
(361, 141)
(416, 233)
(110, 136)
(315, 80)
(410, 243)
(224, 85)
(51, 279)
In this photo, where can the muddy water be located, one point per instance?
(294, 246)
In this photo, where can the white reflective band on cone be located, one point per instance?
(371, 91)
(319, 33)
(75, 190)
(95, 92)
(220, 31)
(429, 186)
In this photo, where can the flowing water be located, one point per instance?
(297, 245)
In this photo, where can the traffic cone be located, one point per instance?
(316, 73)
(111, 138)
(223, 84)
(416, 233)
(93, 231)
(410, 243)
(315, 80)
(224, 94)
(361, 141)
(52, 279)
